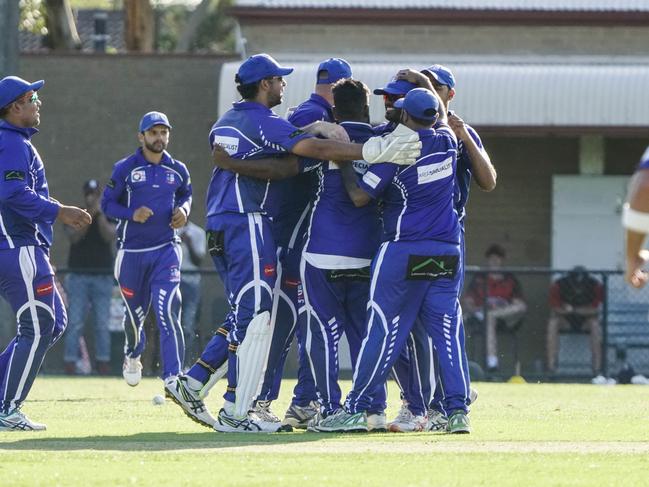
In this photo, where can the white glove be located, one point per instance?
(402, 146)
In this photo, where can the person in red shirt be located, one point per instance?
(504, 301)
(575, 301)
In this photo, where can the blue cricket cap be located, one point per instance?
(442, 74)
(396, 87)
(258, 67)
(154, 118)
(13, 87)
(336, 69)
(420, 103)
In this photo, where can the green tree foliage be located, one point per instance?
(32, 16)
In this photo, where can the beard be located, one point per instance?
(156, 147)
(393, 115)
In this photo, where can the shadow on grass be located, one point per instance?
(162, 441)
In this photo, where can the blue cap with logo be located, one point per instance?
(420, 103)
(258, 67)
(336, 69)
(152, 119)
(442, 74)
(396, 87)
(13, 87)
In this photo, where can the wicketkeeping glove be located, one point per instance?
(402, 146)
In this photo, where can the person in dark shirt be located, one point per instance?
(575, 301)
(90, 282)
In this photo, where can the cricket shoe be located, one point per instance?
(343, 422)
(17, 421)
(298, 417)
(437, 421)
(407, 422)
(226, 423)
(132, 371)
(377, 422)
(177, 389)
(458, 423)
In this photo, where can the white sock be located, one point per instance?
(229, 408)
(194, 384)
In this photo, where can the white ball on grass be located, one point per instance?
(158, 400)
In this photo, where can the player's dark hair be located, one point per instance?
(323, 74)
(421, 121)
(248, 91)
(350, 99)
(495, 249)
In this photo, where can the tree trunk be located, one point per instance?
(140, 25)
(9, 18)
(194, 22)
(62, 31)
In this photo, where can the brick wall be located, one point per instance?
(343, 40)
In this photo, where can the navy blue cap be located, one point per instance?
(258, 67)
(442, 74)
(396, 87)
(420, 103)
(153, 118)
(336, 69)
(13, 87)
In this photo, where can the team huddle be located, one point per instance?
(319, 225)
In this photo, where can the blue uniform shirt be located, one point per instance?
(464, 173)
(419, 199)
(248, 130)
(385, 128)
(136, 182)
(26, 211)
(315, 108)
(342, 236)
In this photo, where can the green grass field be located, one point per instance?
(102, 432)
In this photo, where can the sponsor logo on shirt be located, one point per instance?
(171, 178)
(111, 183)
(174, 273)
(360, 167)
(295, 133)
(44, 289)
(431, 267)
(129, 293)
(138, 176)
(371, 179)
(230, 144)
(434, 172)
(14, 175)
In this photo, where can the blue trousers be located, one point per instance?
(27, 283)
(417, 369)
(335, 302)
(289, 322)
(84, 290)
(152, 278)
(244, 254)
(406, 284)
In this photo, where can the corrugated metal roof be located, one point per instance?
(502, 94)
(558, 5)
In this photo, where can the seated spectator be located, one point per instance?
(575, 302)
(504, 302)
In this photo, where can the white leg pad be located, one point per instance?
(214, 378)
(252, 356)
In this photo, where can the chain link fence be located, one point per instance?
(572, 325)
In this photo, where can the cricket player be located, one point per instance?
(27, 213)
(150, 195)
(635, 220)
(335, 269)
(416, 273)
(416, 370)
(239, 212)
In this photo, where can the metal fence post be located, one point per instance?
(605, 325)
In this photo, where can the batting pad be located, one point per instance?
(252, 356)
(214, 378)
